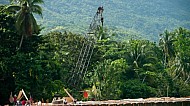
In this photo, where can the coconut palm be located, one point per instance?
(182, 66)
(26, 24)
(166, 44)
(143, 58)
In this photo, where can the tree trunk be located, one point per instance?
(20, 45)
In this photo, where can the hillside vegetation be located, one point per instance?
(127, 18)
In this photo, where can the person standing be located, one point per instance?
(23, 102)
(15, 99)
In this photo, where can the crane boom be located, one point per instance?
(87, 49)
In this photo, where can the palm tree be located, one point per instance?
(166, 44)
(26, 24)
(182, 66)
(143, 58)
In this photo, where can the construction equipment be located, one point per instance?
(86, 51)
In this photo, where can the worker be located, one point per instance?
(39, 103)
(23, 102)
(100, 10)
(65, 101)
(15, 99)
(75, 101)
(102, 21)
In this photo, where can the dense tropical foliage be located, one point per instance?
(118, 69)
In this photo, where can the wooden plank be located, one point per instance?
(69, 95)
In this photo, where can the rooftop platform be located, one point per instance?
(164, 101)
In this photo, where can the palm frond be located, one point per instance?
(17, 1)
(13, 8)
(37, 1)
(20, 17)
(35, 26)
(36, 9)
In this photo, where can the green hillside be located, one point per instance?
(137, 18)
(125, 17)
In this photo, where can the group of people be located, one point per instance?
(22, 102)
